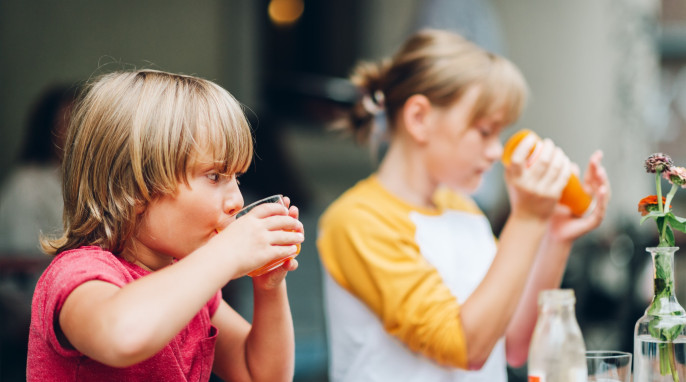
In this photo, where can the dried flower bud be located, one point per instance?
(658, 162)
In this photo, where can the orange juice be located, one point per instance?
(272, 265)
(573, 196)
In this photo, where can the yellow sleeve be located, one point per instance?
(372, 254)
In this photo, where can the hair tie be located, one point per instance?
(373, 103)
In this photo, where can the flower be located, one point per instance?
(658, 162)
(676, 175)
(649, 204)
(658, 208)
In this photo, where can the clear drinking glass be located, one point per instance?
(608, 366)
(278, 262)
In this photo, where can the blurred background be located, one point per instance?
(604, 74)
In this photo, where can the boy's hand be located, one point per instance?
(267, 233)
(271, 280)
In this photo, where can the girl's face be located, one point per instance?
(459, 150)
(175, 225)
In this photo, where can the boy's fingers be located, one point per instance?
(268, 209)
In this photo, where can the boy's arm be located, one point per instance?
(123, 326)
(264, 351)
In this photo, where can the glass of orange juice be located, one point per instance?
(573, 196)
(275, 263)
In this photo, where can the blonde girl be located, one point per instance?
(416, 286)
(150, 193)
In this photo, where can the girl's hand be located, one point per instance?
(535, 183)
(566, 227)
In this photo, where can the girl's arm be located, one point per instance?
(534, 190)
(551, 261)
(123, 326)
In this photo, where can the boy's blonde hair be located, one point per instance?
(132, 137)
(440, 65)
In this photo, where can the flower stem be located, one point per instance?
(670, 196)
(672, 362)
(658, 187)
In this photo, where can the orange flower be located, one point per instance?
(649, 203)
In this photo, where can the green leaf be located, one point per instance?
(676, 222)
(672, 333)
(669, 236)
(653, 215)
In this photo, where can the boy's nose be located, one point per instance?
(233, 203)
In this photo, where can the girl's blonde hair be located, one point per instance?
(131, 139)
(440, 65)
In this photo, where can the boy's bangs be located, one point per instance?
(227, 134)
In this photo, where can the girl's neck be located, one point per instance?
(403, 173)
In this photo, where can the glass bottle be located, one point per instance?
(660, 335)
(557, 351)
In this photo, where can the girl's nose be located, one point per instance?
(494, 150)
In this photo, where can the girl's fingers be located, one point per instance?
(521, 152)
(539, 166)
(558, 172)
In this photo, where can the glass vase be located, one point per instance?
(660, 335)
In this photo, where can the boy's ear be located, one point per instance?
(139, 207)
(416, 115)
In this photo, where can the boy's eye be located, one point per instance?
(213, 176)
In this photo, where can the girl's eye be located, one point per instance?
(485, 131)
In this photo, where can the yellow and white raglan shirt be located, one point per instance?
(395, 275)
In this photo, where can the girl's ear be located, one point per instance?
(416, 116)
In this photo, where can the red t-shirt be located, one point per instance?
(188, 357)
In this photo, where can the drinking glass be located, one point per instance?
(278, 262)
(608, 366)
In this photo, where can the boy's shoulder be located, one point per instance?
(85, 256)
(88, 263)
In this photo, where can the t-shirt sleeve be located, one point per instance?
(384, 268)
(62, 277)
(213, 304)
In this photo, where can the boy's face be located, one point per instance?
(461, 151)
(175, 225)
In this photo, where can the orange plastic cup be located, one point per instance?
(275, 263)
(573, 196)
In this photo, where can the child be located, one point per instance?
(416, 287)
(150, 192)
